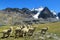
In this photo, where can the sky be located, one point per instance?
(51, 4)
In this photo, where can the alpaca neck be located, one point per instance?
(11, 29)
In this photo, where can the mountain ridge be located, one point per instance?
(25, 15)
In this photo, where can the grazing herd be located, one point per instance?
(19, 31)
(22, 31)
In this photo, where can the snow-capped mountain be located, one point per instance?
(44, 13)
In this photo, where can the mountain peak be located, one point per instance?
(39, 9)
(45, 13)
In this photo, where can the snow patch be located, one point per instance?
(38, 13)
(57, 18)
(53, 12)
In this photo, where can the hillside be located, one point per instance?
(53, 28)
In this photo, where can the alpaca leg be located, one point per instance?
(8, 34)
(3, 35)
(23, 35)
(19, 34)
(15, 34)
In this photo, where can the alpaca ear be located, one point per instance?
(11, 28)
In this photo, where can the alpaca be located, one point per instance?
(44, 30)
(7, 32)
(24, 31)
(17, 31)
(31, 30)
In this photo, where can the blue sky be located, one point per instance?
(51, 4)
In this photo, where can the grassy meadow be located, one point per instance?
(53, 28)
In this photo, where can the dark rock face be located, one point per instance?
(59, 15)
(34, 12)
(45, 13)
(25, 10)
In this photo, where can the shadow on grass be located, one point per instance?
(6, 37)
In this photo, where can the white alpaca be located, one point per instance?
(17, 31)
(25, 31)
(7, 32)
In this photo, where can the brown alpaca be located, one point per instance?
(44, 30)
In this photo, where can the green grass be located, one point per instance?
(53, 28)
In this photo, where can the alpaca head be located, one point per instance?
(28, 26)
(21, 26)
(11, 28)
(47, 27)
